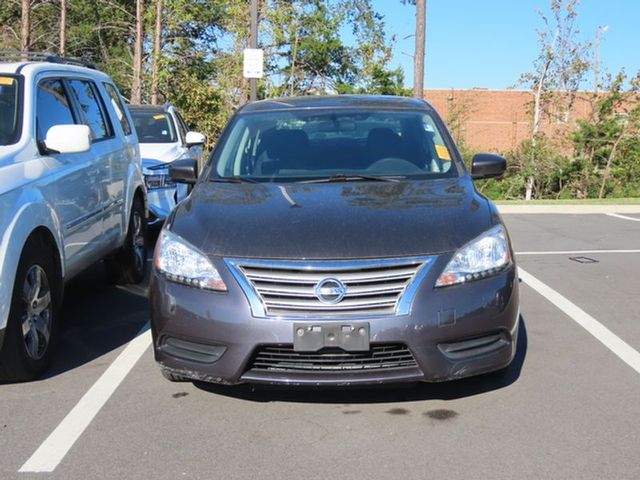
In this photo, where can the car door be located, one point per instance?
(72, 188)
(114, 224)
(110, 157)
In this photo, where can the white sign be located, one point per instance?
(253, 63)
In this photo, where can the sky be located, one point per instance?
(489, 43)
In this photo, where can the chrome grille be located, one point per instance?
(370, 287)
(285, 359)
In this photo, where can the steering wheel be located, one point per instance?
(394, 165)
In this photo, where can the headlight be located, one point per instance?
(158, 180)
(480, 258)
(181, 262)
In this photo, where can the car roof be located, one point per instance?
(383, 102)
(34, 68)
(9, 67)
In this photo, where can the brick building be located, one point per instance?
(499, 120)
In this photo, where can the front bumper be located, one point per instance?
(162, 200)
(451, 333)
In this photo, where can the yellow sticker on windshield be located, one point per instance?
(159, 117)
(7, 81)
(443, 152)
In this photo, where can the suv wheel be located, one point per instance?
(32, 323)
(129, 263)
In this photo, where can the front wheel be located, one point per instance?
(32, 323)
(129, 263)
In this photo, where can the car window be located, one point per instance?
(311, 144)
(10, 108)
(52, 107)
(153, 126)
(92, 111)
(119, 107)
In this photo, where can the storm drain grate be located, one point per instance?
(583, 259)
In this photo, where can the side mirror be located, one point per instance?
(487, 165)
(194, 138)
(68, 139)
(184, 171)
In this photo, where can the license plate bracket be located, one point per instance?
(311, 337)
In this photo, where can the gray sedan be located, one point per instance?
(333, 241)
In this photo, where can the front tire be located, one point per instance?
(33, 317)
(129, 263)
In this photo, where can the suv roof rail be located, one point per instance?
(26, 56)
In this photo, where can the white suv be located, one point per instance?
(164, 137)
(71, 193)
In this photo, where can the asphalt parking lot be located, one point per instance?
(569, 407)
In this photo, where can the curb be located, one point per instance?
(568, 209)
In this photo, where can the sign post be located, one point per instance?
(253, 57)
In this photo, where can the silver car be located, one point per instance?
(71, 193)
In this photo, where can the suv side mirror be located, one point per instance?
(487, 165)
(184, 171)
(194, 138)
(68, 139)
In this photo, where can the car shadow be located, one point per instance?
(96, 318)
(466, 387)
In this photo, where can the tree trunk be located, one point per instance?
(293, 63)
(63, 27)
(25, 26)
(157, 36)
(418, 59)
(253, 43)
(535, 130)
(612, 155)
(136, 84)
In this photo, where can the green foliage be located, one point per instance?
(200, 66)
(607, 148)
(605, 160)
(307, 52)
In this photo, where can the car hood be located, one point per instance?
(20, 165)
(163, 152)
(333, 221)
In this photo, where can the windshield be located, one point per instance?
(153, 127)
(9, 110)
(341, 145)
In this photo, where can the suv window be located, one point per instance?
(52, 107)
(118, 106)
(10, 108)
(94, 115)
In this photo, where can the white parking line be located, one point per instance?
(609, 339)
(575, 252)
(624, 217)
(47, 457)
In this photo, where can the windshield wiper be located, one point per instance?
(232, 180)
(342, 177)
